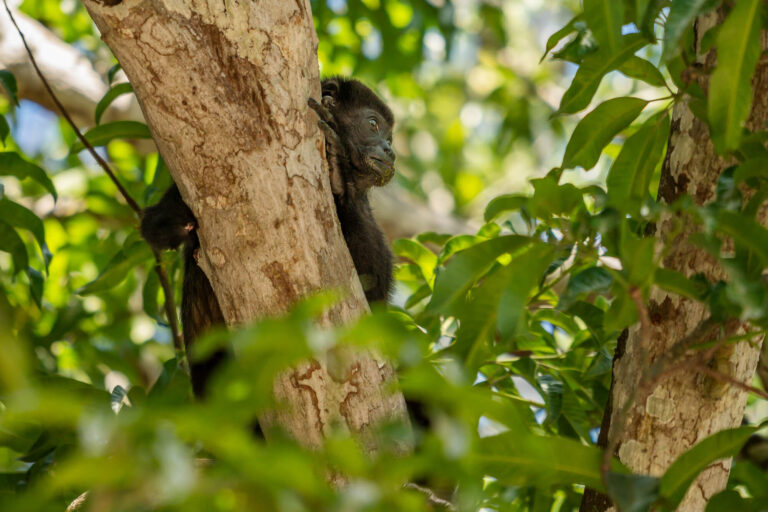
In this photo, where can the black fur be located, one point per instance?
(359, 155)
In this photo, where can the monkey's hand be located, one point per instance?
(334, 149)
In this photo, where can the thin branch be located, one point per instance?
(432, 498)
(170, 306)
(727, 378)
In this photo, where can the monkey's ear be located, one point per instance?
(331, 88)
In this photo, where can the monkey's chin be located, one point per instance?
(382, 171)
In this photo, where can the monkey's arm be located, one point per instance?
(169, 223)
(335, 153)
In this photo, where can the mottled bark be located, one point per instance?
(224, 87)
(686, 407)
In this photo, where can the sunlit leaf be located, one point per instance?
(417, 253)
(730, 87)
(598, 128)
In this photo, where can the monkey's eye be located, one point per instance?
(374, 125)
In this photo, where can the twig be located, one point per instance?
(170, 306)
(433, 498)
(727, 378)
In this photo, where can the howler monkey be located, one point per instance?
(358, 136)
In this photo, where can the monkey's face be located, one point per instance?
(369, 144)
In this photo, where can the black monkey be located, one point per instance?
(358, 131)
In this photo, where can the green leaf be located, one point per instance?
(103, 134)
(8, 81)
(20, 217)
(550, 198)
(744, 231)
(631, 173)
(35, 286)
(504, 203)
(11, 242)
(558, 36)
(592, 70)
(149, 295)
(590, 280)
(531, 264)
(675, 282)
(640, 69)
(686, 468)
(730, 87)
(753, 168)
(118, 268)
(540, 461)
(420, 255)
(604, 19)
(4, 130)
(110, 96)
(632, 493)
(680, 18)
(730, 501)
(11, 164)
(598, 128)
(112, 72)
(461, 272)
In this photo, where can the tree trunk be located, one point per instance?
(224, 87)
(686, 406)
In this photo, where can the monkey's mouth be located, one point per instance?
(383, 169)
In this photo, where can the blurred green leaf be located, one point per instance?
(632, 493)
(8, 81)
(675, 282)
(687, 466)
(11, 242)
(504, 203)
(5, 130)
(730, 87)
(118, 268)
(20, 217)
(11, 164)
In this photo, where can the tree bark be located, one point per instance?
(686, 406)
(224, 89)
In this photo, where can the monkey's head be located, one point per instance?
(364, 125)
